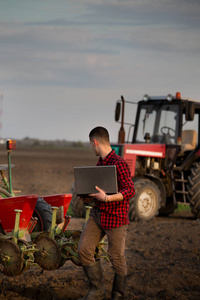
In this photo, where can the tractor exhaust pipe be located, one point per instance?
(121, 134)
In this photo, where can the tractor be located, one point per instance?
(163, 154)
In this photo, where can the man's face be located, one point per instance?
(94, 145)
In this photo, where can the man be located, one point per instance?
(109, 216)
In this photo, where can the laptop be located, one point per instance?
(86, 178)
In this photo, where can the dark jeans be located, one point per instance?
(93, 233)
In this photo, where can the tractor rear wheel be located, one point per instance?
(193, 188)
(43, 212)
(146, 202)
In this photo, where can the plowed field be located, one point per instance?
(163, 255)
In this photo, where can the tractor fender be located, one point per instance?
(161, 187)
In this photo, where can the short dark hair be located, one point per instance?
(99, 133)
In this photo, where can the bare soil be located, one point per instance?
(163, 256)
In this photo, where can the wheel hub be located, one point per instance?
(146, 202)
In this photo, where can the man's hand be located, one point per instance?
(100, 196)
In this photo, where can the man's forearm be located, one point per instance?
(114, 197)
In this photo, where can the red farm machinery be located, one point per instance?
(33, 229)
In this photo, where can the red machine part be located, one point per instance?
(133, 150)
(27, 204)
(59, 200)
(7, 211)
(10, 144)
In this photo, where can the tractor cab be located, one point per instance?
(171, 121)
(157, 122)
(167, 120)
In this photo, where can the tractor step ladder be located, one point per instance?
(183, 190)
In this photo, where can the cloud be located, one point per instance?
(92, 52)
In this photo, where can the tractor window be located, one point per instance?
(190, 131)
(158, 123)
(191, 125)
(167, 126)
(146, 124)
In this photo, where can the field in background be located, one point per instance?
(45, 171)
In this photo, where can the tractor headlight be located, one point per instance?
(146, 97)
(169, 97)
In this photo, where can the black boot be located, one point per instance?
(119, 287)
(95, 275)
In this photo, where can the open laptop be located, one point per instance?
(86, 178)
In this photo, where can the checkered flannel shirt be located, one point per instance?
(115, 214)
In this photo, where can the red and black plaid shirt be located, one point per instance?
(115, 214)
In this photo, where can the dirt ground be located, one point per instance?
(163, 255)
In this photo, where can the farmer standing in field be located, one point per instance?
(108, 217)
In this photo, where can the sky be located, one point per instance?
(65, 63)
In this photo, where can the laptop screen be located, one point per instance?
(86, 178)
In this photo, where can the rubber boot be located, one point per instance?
(95, 275)
(119, 287)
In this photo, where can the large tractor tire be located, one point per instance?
(43, 212)
(193, 188)
(146, 202)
